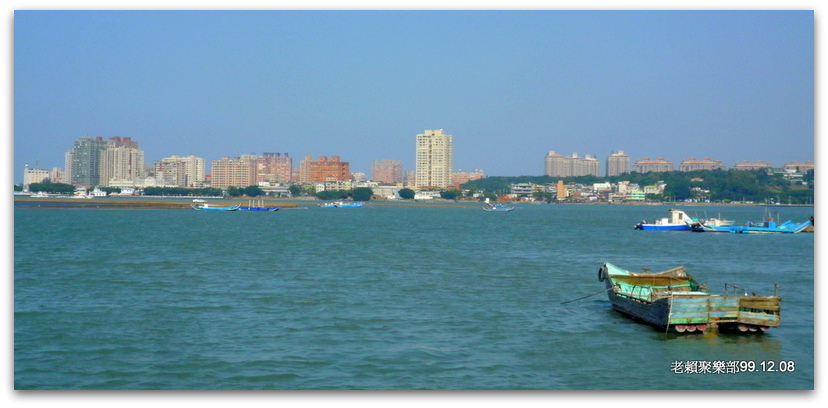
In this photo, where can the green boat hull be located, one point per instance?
(674, 301)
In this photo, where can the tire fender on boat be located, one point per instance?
(601, 274)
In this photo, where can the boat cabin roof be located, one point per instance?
(653, 280)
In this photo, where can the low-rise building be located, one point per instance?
(33, 176)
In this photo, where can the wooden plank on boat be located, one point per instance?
(689, 309)
(759, 319)
(724, 302)
(760, 302)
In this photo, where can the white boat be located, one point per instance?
(498, 207)
(342, 204)
(678, 221)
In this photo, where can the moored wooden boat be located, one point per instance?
(206, 207)
(673, 301)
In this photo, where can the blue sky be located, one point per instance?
(509, 85)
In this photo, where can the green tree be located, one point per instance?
(294, 190)
(332, 195)
(253, 191)
(53, 188)
(111, 190)
(363, 194)
(209, 192)
(406, 193)
(450, 194)
(234, 191)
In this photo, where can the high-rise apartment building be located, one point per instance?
(387, 171)
(234, 172)
(67, 170)
(434, 159)
(122, 163)
(86, 160)
(274, 168)
(692, 164)
(97, 162)
(618, 163)
(57, 175)
(646, 165)
(185, 172)
(323, 170)
(557, 165)
(410, 178)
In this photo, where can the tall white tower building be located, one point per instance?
(434, 159)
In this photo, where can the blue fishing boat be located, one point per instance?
(260, 207)
(678, 221)
(766, 226)
(206, 207)
(673, 301)
(243, 208)
(770, 226)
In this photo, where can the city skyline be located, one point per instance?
(121, 161)
(509, 85)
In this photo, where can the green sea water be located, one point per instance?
(387, 298)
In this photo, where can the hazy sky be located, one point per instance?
(508, 85)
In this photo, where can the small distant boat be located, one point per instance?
(673, 301)
(206, 207)
(678, 221)
(498, 207)
(260, 207)
(342, 204)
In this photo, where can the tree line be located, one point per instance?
(714, 185)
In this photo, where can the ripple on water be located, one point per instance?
(391, 298)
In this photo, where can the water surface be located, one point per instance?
(385, 298)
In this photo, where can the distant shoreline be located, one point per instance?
(184, 203)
